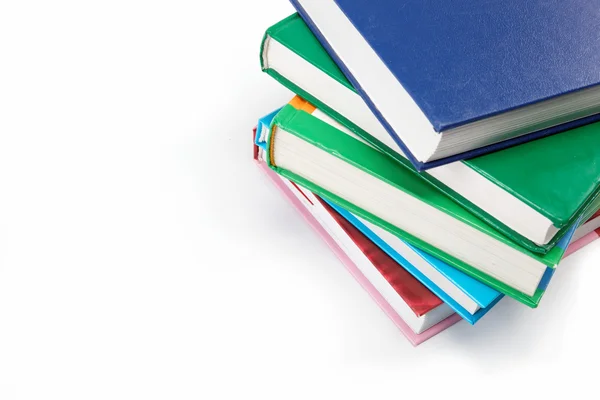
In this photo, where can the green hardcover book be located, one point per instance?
(351, 173)
(532, 193)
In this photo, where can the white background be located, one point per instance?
(143, 255)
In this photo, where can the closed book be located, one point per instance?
(430, 315)
(452, 79)
(470, 298)
(582, 242)
(535, 209)
(352, 174)
(589, 226)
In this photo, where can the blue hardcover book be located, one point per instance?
(470, 298)
(455, 79)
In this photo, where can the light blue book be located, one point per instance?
(262, 129)
(470, 298)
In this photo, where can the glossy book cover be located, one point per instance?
(483, 295)
(454, 75)
(328, 138)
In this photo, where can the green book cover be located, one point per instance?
(558, 176)
(324, 136)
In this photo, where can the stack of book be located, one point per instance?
(448, 152)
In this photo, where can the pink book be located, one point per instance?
(585, 235)
(582, 242)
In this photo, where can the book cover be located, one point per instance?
(563, 179)
(481, 294)
(582, 242)
(262, 129)
(456, 76)
(324, 136)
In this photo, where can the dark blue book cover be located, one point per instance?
(463, 61)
